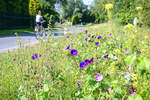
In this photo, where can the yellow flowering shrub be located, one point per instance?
(109, 6)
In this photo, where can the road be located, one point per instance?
(11, 42)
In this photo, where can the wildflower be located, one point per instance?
(68, 47)
(99, 77)
(83, 64)
(74, 52)
(86, 39)
(105, 38)
(86, 31)
(126, 51)
(121, 46)
(99, 37)
(67, 36)
(87, 61)
(91, 60)
(106, 56)
(127, 76)
(127, 85)
(117, 51)
(79, 83)
(0, 70)
(129, 27)
(107, 74)
(133, 93)
(109, 89)
(89, 40)
(88, 35)
(129, 68)
(110, 34)
(109, 6)
(97, 43)
(139, 8)
(35, 56)
(114, 57)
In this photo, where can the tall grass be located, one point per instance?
(54, 74)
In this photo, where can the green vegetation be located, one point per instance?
(49, 71)
(13, 31)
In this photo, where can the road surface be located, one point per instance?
(11, 42)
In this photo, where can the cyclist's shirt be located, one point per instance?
(38, 18)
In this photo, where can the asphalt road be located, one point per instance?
(11, 42)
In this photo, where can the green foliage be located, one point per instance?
(34, 6)
(99, 11)
(125, 10)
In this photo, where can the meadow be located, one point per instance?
(104, 62)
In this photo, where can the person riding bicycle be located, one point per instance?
(39, 21)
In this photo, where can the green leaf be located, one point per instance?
(46, 89)
(130, 59)
(135, 97)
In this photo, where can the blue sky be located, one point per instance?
(88, 2)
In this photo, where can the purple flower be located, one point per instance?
(105, 38)
(110, 34)
(79, 83)
(67, 36)
(89, 40)
(86, 31)
(35, 56)
(91, 60)
(129, 68)
(99, 77)
(133, 93)
(83, 64)
(127, 85)
(97, 43)
(88, 35)
(86, 39)
(74, 52)
(68, 47)
(87, 61)
(107, 74)
(106, 56)
(121, 46)
(99, 37)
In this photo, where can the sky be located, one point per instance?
(88, 2)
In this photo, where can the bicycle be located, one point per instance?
(40, 31)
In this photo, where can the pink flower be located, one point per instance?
(129, 68)
(109, 89)
(99, 77)
(133, 93)
(126, 51)
(67, 36)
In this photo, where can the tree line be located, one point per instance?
(124, 11)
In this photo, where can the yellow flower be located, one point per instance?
(117, 51)
(129, 27)
(109, 6)
(146, 37)
(139, 8)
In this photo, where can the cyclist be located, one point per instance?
(38, 21)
